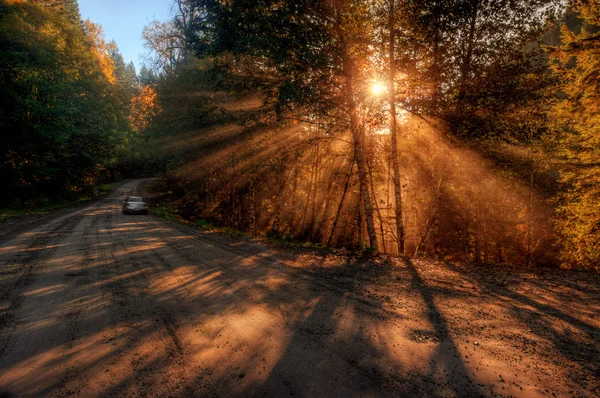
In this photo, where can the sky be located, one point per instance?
(123, 21)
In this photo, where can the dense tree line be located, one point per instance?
(65, 100)
(576, 135)
(461, 129)
(272, 125)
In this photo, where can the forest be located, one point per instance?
(65, 101)
(462, 130)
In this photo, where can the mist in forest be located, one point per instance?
(460, 130)
(297, 184)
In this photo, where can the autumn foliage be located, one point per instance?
(64, 118)
(464, 129)
(144, 107)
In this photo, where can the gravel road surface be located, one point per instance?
(97, 303)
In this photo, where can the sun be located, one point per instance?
(378, 88)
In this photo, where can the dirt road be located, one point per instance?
(96, 303)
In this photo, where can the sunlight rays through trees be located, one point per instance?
(408, 127)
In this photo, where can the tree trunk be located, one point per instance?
(341, 205)
(477, 256)
(319, 229)
(432, 224)
(465, 68)
(308, 196)
(311, 228)
(529, 219)
(436, 68)
(500, 258)
(293, 205)
(358, 143)
(359, 223)
(393, 133)
(381, 230)
(388, 177)
(252, 211)
(279, 198)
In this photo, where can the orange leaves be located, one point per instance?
(144, 107)
(100, 49)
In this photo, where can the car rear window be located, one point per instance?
(135, 199)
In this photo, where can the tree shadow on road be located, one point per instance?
(547, 307)
(151, 309)
(447, 355)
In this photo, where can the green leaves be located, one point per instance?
(62, 119)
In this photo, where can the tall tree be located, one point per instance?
(577, 117)
(130, 76)
(100, 48)
(68, 8)
(144, 107)
(392, 13)
(118, 62)
(462, 44)
(166, 44)
(315, 53)
(124, 74)
(147, 76)
(62, 119)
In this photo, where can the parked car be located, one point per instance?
(135, 204)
